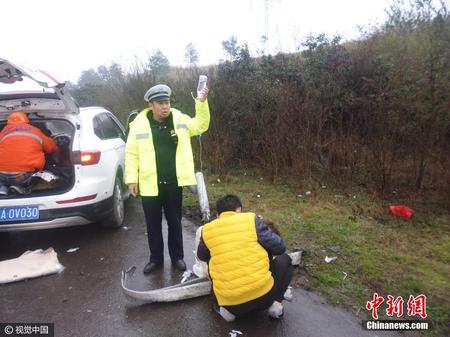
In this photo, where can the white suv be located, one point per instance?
(84, 181)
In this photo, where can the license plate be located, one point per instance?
(17, 213)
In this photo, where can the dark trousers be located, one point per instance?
(21, 179)
(282, 271)
(170, 199)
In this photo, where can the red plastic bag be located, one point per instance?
(402, 211)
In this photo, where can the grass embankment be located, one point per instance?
(376, 252)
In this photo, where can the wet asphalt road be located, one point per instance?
(86, 298)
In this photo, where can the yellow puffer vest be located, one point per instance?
(239, 265)
(140, 162)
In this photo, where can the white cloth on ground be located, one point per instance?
(29, 265)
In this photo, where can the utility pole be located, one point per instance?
(265, 36)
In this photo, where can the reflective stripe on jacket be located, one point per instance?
(140, 162)
(239, 265)
(23, 148)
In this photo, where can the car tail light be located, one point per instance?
(79, 199)
(86, 157)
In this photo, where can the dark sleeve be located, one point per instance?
(203, 251)
(271, 242)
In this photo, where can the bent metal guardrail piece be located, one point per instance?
(190, 289)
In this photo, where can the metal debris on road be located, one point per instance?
(296, 257)
(186, 275)
(186, 289)
(234, 333)
(71, 250)
(190, 289)
(330, 259)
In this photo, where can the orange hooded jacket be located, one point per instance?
(23, 148)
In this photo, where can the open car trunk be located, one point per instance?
(58, 175)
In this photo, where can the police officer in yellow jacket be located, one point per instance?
(239, 247)
(158, 162)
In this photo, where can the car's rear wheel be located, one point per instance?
(115, 219)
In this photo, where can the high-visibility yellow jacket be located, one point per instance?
(239, 264)
(140, 160)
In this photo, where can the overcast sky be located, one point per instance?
(66, 37)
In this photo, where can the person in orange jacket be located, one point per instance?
(22, 152)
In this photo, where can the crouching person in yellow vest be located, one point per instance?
(239, 247)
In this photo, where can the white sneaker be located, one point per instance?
(3, 190)
(19, 190)
(228, 316)
(276, 310)
(288, 295)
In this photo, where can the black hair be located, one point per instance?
(229, 202)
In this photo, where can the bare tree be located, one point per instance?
(191, 55)
(231, 47)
